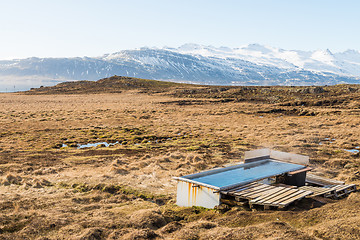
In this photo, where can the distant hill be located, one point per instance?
(113, 84)
(335, 95)
(253, 64)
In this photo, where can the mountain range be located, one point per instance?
(252, 64)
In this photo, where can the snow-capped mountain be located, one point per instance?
(344, 63)
(252, 64)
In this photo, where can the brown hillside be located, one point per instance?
(113, 84)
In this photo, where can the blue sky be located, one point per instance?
(66, 28)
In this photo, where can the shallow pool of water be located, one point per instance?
(352, 150)
(88, 145)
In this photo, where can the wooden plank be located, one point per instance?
(343, 187)
(279, 197)
(284, 201)
(255, 191)
(253, 196)
(253, 187)
(283, 185)
(243, 186)
(282, 197)
(269, 191)
(248, 186)
(290, 196)
(300, 171)
(298, 197)
(268, 196)
(322, 193)
(234, 190)
(317, 191)
(301, 195)
(240, 195)
(322, 181)
(311, 187)
(252, 190)
(319, 183)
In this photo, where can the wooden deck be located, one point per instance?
(267, 195)
(319, 191)
(281, 195)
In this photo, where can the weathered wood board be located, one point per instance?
(267, 195)
(321, 181)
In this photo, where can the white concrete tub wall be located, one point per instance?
(190, 194)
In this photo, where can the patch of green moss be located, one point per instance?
(193, 148)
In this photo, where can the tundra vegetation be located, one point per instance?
(53, 185)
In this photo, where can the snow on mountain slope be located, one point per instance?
(251, 64)
(346, 63)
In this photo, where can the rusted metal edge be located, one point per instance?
(196, 183)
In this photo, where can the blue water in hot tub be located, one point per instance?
(245, 174)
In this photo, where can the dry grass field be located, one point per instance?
(147, 132)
